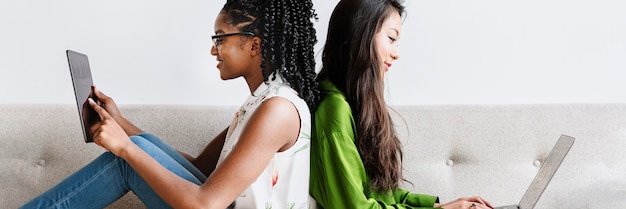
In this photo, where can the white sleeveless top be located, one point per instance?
(285, 181)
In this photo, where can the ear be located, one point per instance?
(255, 48)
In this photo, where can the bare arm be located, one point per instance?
(207, 159)
(274, 126)
(205, 162)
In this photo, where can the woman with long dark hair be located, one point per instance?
(356, 156)
(260, 161)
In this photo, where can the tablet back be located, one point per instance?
(82, 82)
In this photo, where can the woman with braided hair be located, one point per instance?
(260, 161)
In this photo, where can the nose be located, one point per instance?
(213, 50)
(395, 54)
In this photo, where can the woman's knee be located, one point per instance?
(145, 144)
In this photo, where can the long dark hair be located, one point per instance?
(350, 62)
(288, 37)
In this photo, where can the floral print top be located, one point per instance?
(285, 181)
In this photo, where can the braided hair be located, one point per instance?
(288, 37)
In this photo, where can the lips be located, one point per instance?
(388, 65)
(219, 64)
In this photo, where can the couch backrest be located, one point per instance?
(489, 150)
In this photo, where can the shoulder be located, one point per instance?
(333, 113)
(288, 96)
(333, 102)
(279, 108)
(276, 122)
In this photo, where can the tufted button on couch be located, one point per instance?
(450, 150)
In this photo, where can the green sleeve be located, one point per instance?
(338, 178)
(421, 200)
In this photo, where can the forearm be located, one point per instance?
(337, 199)
(207, 159)
(129, 127)
(416, 200)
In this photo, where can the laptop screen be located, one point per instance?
(546, 172)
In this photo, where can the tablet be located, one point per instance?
(82, 82)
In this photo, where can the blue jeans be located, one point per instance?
(108, 178)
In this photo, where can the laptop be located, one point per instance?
(544, 175)
(82, 82)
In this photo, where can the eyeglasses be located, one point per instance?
(217, 39)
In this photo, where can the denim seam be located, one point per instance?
(93, 178)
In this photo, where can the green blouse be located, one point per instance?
(338, 179)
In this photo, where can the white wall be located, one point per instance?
(452, 52)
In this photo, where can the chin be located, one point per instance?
(227, 77)
(224, 77)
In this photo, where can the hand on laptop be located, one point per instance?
(466, 203)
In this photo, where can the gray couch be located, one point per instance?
(451, 151)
